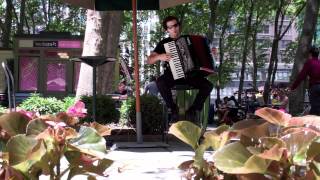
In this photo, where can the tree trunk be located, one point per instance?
(101, 39)
(275, 69)
(267, 84)
(278, 35)
(22, 17)
(254, 59)
(221, 48)
(273, 56)
(245, 49)
(45, 12)
(106, 72)
(296, 99)
(213, 4)
(7, 25)
(221, 55)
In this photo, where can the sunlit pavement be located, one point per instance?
(148, 163)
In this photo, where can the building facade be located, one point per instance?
(283, 70)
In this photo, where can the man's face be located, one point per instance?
(173, 29)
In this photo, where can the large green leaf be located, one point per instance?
(36, 127)
(216, 141)
(269, 148)
(315, 167)
(186, 132)
(269, 142)
(24, 151)
(80, 163)
(274, 116)
(313, 150)
(273, 148)
(89, 141)
(14, 123)
(221, 129)
(309, 120)
(252, 128)
(234, 158)
(298, 144)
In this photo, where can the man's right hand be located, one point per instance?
(155, 57)
(164, 57)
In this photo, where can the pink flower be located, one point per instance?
(283, 110)
(77, 110)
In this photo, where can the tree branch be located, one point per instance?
(292, 19)
(2, 25)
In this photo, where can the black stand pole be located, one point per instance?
(94, 62)
(94, 92)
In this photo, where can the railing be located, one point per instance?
(10, 85)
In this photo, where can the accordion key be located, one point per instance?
(190, 56)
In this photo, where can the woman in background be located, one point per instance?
(311, 69)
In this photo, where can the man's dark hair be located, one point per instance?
(314, 51)
(167, 19)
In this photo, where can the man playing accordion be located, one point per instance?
(167, 80)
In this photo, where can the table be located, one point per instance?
(94, 62)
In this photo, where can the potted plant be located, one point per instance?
(33, 145)
(277, 146)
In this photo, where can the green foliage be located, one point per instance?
(191, 134)
(106, 111)
(127, 108)
(67, 102)
(290, 52)
(2, 109)
(151, 114)
(43, 105)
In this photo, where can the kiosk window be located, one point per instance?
(56, 77)
(28, 73)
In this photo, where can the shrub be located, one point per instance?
(67, 102)
(48, 105)
(106, 111)
(151, 114)
(2, 109)
(127, 107)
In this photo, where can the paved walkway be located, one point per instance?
(149, 163)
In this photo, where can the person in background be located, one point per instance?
(122, 90)
(253, 104)
(259, 97)
(283, 101)
(152, 88)
(311, 69)
(224, 109)
(275, 97)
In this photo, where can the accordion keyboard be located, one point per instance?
(175, 64)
